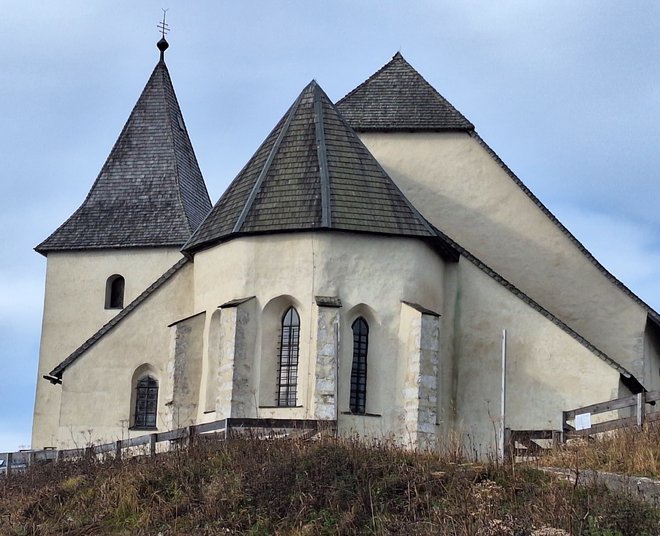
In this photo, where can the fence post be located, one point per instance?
(191, 435)
(118, 449)
(564, 427)
(152, 444)
(556, 438)
(641, 408)
(10, 460)
(509, 447)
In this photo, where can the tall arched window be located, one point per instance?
(287, 376)
(146, 403)
(358, 401)
(114, 292)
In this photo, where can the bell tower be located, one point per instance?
(144, 205)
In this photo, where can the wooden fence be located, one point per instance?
(641, 407)
(146, 444)
(638, 409)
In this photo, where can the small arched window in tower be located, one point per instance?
(114, 292)
(287, 376)
(358, 400)
(146, 403)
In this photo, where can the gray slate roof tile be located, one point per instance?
(150, 191)
(397, 98)
(311, 172)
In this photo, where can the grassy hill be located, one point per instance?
(329, 486)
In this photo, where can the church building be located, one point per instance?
(361, 269)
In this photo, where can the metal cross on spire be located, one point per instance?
(163, 44)
(163, 26)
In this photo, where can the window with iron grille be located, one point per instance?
(359, 370)
(146, 403)
(287, 376)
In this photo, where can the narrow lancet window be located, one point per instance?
(358, 400)
(287, 378)
(114, 292)
(146, 403)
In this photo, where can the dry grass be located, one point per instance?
(248, 486)
(627, 451)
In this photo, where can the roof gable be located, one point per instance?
(311, 172)
(398, 98)
(150, 191)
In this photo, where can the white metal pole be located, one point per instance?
(503, 396)
(336, 327)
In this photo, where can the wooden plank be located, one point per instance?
(605, 427)
(602, 407)
(274, 423)
(652, 396)
(172, 435)
(211, 426)
(532, 434)
(106, 447)
(71, 453)
(640, 408)
(45, 455)
(137, 441)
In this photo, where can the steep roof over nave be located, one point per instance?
(312, 172)
(150, 191)
(398, 98)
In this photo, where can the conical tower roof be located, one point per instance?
(312, 172)
(150, 191)
(398, 98)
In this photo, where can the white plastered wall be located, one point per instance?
(457, 185)
(96, 388)
(74, 309)
(370, 274)
(548, 371)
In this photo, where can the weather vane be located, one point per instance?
(163, 26)
(162, 44)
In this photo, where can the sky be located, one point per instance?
(567, 93)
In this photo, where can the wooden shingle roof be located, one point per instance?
(312, 172)
(150, 191)
(398, 98)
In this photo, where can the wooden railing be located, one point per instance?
(641, 408)
(146, 444)
(529, 442)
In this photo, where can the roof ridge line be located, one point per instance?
(360, 86)
(181, 123)
(535, 305)
(408, 203)
(322, 155)
(264, 171)
(564, 230)
(105, 163)
(173, 148)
